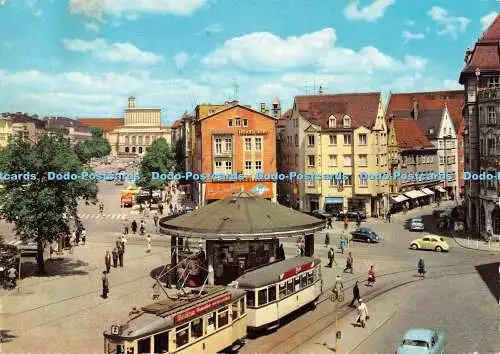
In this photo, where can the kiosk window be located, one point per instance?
(196, 328)
(282, 290)
(161, 342)
(250, 298)
(262, 297)
(182, 335)
(211, 323)
(242, 306)
(234, 309)
(223, 316)
(144, 346)
(303, 280)
(310, 277)
(297, 283)
(271, 293)
(289, 287)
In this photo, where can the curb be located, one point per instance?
(459, 243)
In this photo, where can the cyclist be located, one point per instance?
(371, 275)
(338, 288)
(101, 207)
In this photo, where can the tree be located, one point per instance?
(32, 199)
(97, 132)
(158, 158)
(95, 147)
(180, 155)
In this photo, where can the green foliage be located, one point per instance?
(36, 206)
(97, 132)
(158, 158)
(180, 155)
(95, 147)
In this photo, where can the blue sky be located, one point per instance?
(83, 58)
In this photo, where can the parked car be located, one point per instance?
(416, 225)
(430, 242)
(353, 214)
(320, 214)
(418, 218)
(365, 234)
(422, 341)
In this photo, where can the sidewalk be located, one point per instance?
(465, 240)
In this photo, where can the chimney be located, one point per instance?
(262, 107)
(131, 102)
(468, 54)
(414, 111)
(320, 91)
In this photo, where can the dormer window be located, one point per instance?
(347, 122)
(332, 122)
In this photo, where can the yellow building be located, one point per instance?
(5, 131)
(24, 126)
(330, 134)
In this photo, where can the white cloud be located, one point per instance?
(92, 25)
(263, 51)
(114, 52)
(369, 13)
(2, 2)
(38, 13)
(409, 23)
(181, 59)
(408, 36)
(450, 25)
(452, 85)
(31, 3)
(414, 62)
(211, 29)
(488, 19)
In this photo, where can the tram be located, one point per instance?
(208, 323)
(276, 290)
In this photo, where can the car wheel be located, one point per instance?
(439, 249)
(414, 246)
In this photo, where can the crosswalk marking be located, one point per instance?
(86, 216)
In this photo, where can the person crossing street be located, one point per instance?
(349, 263)
(362, 313)
(331, 257)
(105, 285)
(355, 294)
(107, 261)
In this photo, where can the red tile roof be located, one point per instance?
(361, 107)
(409, 135)
(493, 31)
(106, 124)
(284, 117)
(454, 100)
(177, 124)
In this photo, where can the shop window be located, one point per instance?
(282, 290)
(297, 283)
(303, 280)
(310, 277)
(289, 287)
(161, 342)
(250, 298)
(182, 335)
(242, 306)
(271, 293)
(223, 317)
(234, 310)
(197, 328)
(262, 297)
(144, 346)
(211, 325)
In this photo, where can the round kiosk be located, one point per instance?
(241, 232)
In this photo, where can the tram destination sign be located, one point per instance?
(294, 271)
(202, 308)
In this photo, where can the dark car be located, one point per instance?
(353, 214)
(365, 234)
(321, 214)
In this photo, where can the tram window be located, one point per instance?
(161, 343)
(181, 335)
(282, 290)
(223, 316)
(297, 283)
(196, 328)
(262, 297)
(250, 298)
(303, 280)
(211, 323)
(242, 306)
(234, 309)
(289, 287)
(310, 277)
(271, 293)
(144, 346)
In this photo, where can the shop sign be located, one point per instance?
(221, 190)
(202, 308)
(252, 132)
(294, 271)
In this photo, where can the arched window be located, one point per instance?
(133, 150)
(140, 140)
(140, 150)
(133, 140)
(127, 140)
(332, 122)
(127, 149)
(346, 122)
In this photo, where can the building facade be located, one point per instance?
(5, 131)
(236, 139)
(74, 130)
(410, 154)
(330, 134)
(481, 79)
(26, 126)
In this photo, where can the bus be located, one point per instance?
(276, 290)
(197, 324)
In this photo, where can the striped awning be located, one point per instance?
(415, 194)
(399, 198)
(427, 191)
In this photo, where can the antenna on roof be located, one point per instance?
(193, 99)
(236, 90)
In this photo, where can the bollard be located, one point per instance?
(468, 240)
(477, 244)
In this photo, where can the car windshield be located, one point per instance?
(416, 343)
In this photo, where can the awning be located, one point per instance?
(334, 200)
(399, 198)
(427, 191)
(415, 194)
(440, 189)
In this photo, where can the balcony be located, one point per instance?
(394, 161)
(223, 153)
(489, 94)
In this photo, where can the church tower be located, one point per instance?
(276, 110)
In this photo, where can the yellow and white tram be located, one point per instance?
(206, 324)
(279, 289)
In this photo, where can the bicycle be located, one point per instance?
(339, 297)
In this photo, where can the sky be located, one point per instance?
(84, 58)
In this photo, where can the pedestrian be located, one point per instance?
(155, 219)
(105, 285)
(331, 257)
(330, 226)
(123, 242)
(160, 208)
(148, 239)
(327, 239)
(142, 228)
(134, 226)
(115, 257)
(362, 313)
(280, 254)
(12, 274)
(299, 250)
(355, 294)
(342, 244)
(349, 262)
(77, 237)
(125, 227)
(346, 223)
(120, 256)
(156, 291)
(84, 236)
(389, 216)
(107, 261)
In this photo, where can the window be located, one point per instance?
(161, 342)
(229, 165)
(282, 287)
(245, 122)
(289, 287)
(248, 166)
(258, 165)
(334, 182)
(196, 329)
(144, 346)
(237, 122)
(295, 123)
(310, 140)
(347, 139)
(211, 325)
(332, 122)
(271, 293)
(441, 160)
(296, 140)
(296, 160)
(311, 183)
(363, 182)
(229, 122)
(234, 310)
(333, 139)
(310, 277)
(347, 160)
(303, 280)
(296, 282)
(223, 317)
(494, 82)
(218, 164)
(258, 144)
(348, 180)
(229, 144)
(250, 298)
(181, 335)
(347, 122)
(310, 160)
(242, 306)
(492, 117)
(218, 145)
(332, 160)
(248, 144)
(363, 160)
(362, 139)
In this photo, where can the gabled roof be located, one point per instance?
(486, 52)
(64, 122)
(24, 118)
(362, 108)
(401, 104)
(234, 106)
(177, 124)
(106, 124)
(409, 135)
(284, 117)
